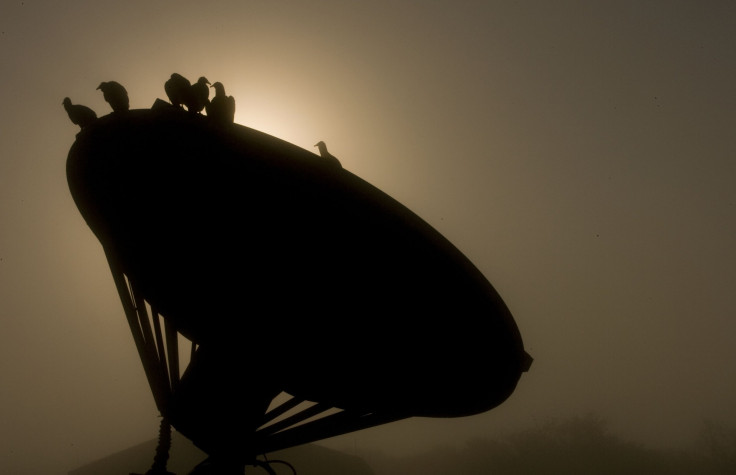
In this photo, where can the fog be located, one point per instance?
(580, 154)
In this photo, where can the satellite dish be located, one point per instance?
(288, 275)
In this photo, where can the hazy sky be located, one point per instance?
(581, 154)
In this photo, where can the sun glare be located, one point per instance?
(276, 114)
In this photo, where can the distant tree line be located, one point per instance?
(580, 445)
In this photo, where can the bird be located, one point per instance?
(327, 155)
(116, 95)
(198, 96)
(79, 114)
(222, 107)
(177, 89)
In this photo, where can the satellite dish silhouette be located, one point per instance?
(315, 304)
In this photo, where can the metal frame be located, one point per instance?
(293, 421)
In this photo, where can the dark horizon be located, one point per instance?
(580, 443)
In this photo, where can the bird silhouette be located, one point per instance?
(222, 107)
(198, 96)
(116, 95)
(327, 155)
(79, 114)
(177, 89)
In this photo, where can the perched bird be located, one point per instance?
(115, 94)
(198, 96)
(325, 154)
(177, 88)
(80, 115)
(222, 107)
